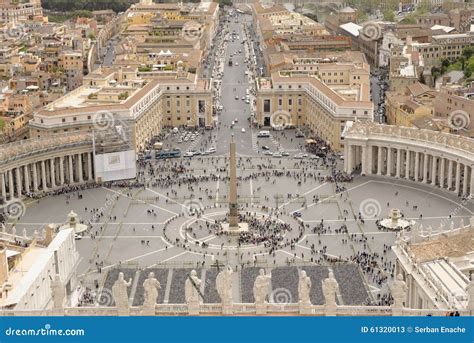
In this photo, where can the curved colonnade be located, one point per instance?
(43, 164)
(440, 159)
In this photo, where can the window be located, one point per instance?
(266, 105)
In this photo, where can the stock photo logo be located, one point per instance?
(105, 297)
(280, 120)
(459, 120)
(192, 207)
(16, 31)
(370, 208)
(280, 296)
(191, 31)
(103, 120)
(14, 209)
(371, 31)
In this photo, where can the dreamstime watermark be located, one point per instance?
(103, 121)
(192, 31)
(280, 296)
(17, 31)
(371, 31)
(108, 204)
(370, 208)
(459, 120)
(105, 297)
(192, 207)
(14, 209)
(44, 331)
(280, 120)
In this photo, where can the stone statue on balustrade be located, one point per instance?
(151, 286)
(260, 287)
(224, 288)
(192, 292)
(330, 289)
(399, 292)
(119, 291)
(304, 288)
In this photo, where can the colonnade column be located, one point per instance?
(61, 170)
(350, 159)
(472, 181)
(417, 166)
(3, 187)
(433, 169)
(79, 169)
(458, 178)
(89, 167)
(71, 171)
(465, 180)
(18, 182)
(407, 164)
(35, 177)
(389, 161)
(43, 176)
(441, 172)
(10, 184)
(399, 162)
(425, 168)
(363, 169)
(27, 178)
(450, 175)
(52, 173)
(379, 160)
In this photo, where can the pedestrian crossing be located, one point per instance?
(194, 144)
(254, 142)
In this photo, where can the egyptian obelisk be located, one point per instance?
(233, 226)
(233, 210)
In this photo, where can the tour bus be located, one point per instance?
(168, 154)
(264, 133)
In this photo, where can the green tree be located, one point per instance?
(409, 19)
(388, 15)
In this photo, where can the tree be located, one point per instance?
(388, 15)
(409, 19)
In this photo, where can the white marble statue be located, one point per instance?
(24, 233)
(399, 291)
(330, 288)
(224, 285)
(260, 287)
(304, 288)
(151, 286)
(119, 291)
(191, 289)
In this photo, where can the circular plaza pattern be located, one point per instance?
(298, 216)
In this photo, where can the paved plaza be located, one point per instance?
(170, 225)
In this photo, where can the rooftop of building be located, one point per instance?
(29, 261)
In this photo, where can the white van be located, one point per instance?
(263, 134)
